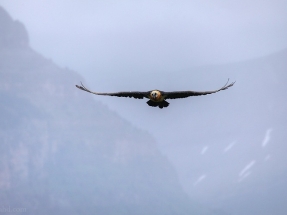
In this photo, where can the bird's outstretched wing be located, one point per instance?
(134, 94)
(184, 94)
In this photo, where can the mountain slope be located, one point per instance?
(232, 153)
(64, 153)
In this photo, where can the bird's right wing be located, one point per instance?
(134, 94)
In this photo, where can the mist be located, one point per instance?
(227, 149)
(105, 38)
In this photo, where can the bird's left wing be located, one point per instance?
(134, 94)
(184, 94)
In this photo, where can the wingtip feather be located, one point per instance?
(226, 86)
(82, 87)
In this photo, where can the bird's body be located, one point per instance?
(157, 98)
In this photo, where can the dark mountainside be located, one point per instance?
(64, 153)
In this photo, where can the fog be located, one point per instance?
(228, 149)
(100, 37)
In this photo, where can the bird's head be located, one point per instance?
(154, 94)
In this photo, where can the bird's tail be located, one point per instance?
(158, 104)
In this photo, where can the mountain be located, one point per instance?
(228, 148)
(232, 150)
(64, 153)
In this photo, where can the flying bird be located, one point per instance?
(157, 98)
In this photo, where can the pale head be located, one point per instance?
(154, 94)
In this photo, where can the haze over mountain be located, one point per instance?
(232, 148)
(64, 153)
(228, 148)
(103, 39)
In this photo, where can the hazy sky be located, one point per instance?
(143, 35)
(116, 45)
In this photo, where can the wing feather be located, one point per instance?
(184, 94)
(130, 94)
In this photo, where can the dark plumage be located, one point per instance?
(157, 97)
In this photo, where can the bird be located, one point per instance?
(157, 98)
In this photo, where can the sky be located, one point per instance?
(95, 37)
